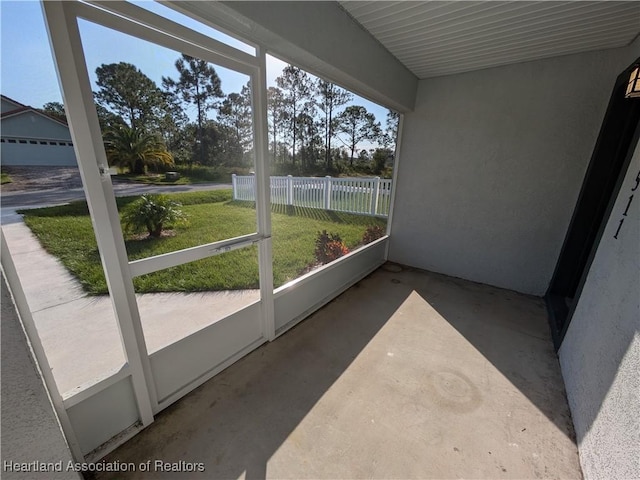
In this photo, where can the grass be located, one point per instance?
(66, 232)
(4, 178)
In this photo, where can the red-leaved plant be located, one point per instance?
(329, 247)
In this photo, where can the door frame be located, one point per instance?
(609, 163)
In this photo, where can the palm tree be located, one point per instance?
(134, 149)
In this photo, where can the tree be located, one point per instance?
(296, 87)
(130, 94)
(108, 119)
(172, 127)
(275, 115)
(235, 113)
(199, 85)
(310, 141)
(358, 125)
(218, 146)
(331, 97)
(391, 133)
(135, 149)
(55, 110)
(380, 158)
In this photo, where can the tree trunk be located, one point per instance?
(274, 142)
(138, 167)
(329, 135)
(155, 232)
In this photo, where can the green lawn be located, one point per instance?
(66, 232)
(4, 178)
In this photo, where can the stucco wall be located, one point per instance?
(491, 167)
(600, 355)
(30, 431)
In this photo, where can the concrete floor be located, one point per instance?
(406, 375)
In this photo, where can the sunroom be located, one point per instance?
(507, 277)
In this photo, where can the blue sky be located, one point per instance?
(27, 72)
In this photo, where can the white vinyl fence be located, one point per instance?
(365, 196)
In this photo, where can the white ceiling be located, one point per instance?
(435, 38)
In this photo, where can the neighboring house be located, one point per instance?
(32, 138)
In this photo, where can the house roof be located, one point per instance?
(11, 100)
(446, 37)
(24, 109)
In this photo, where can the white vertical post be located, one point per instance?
(394, 182)
(289, 190)
(71, 68)
(262, 183)
(375, 194)
(254, 188)
(327, 192)
(234, 186)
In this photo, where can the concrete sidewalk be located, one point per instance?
(79, 333)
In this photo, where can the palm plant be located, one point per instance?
(135, 149)
(152, 213)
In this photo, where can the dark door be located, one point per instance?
(609, 162)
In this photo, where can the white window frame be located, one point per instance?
(73, 76)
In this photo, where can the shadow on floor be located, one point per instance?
(407, 375)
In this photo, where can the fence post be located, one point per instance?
(234, 185)
(289, 189)
(255, 188)
(327, 192)
(375, 193)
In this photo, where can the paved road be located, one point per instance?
(57, 196)
(12, 201)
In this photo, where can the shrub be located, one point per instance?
(373, 233)
(135, 149)
(329, 247)
(203, 173)
(152, 213)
